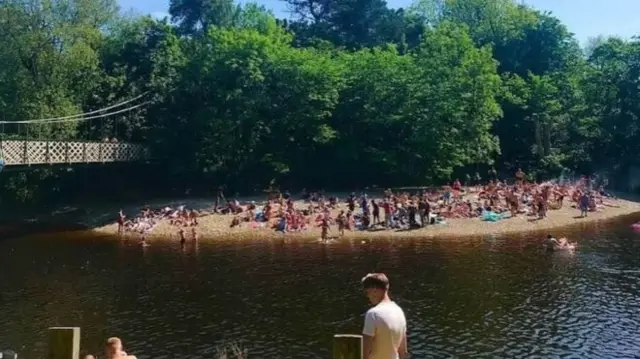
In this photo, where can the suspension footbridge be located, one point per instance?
(20, 150)
(27, 153)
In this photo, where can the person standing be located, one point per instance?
(493, 174)
(364, 204)
(388, 213)
(424, 209)
(351, 202)
(219, 199)
(584, 204)
(385, 326)
(520, 177)
(376, 212)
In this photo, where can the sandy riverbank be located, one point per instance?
(214, 226)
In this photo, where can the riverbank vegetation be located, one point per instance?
(336, 96)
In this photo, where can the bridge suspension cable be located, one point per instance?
(73, 119)
(80, 115)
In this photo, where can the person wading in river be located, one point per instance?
(385, 326)
(121, 221)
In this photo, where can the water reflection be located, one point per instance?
(481, 298)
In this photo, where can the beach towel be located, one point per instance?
(491, 216)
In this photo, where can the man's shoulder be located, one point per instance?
(372, 311)
(385, 308)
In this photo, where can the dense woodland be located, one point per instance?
(342, 94)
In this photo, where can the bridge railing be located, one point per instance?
(17, 152)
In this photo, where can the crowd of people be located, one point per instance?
(492, 201)
(146, 221)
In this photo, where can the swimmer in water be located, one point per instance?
(551, 242)
(558, 244)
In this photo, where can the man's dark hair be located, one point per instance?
(375, 280)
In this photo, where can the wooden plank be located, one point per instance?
(64, 343)
(347, 346)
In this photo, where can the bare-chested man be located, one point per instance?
(113, 350)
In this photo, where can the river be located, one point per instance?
(480, 298)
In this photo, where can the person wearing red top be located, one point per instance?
(456, 188)
(456, 185)
(388, 215)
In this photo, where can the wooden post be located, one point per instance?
(347, 346)
(64, 343)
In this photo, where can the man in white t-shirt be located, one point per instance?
(385, 327)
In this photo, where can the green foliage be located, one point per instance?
(348, 93)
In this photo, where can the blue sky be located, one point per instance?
(585, 18)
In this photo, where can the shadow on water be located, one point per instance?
(480, 298)
(78, 217)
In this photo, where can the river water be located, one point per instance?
(468, 298)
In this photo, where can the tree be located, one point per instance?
(255, 105)
(197, 16)
(353, 24)
(50, 52)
